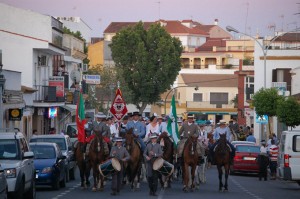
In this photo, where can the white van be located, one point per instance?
(289, 156)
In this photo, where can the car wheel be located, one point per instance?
(31, 194)
(55, 185)
(63, 182)
(67, 175)
(20, 192)
(72, 174)
(298, 182)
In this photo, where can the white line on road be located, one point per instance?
(244, 189)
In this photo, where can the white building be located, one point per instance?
(282, 57)
(29, 43)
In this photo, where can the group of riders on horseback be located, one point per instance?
(135, 144)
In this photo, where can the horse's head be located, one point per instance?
(163, 135)
(192, 144)
(98, 139)
(129, 138)
(222, 138)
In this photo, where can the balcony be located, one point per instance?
(209, 104)
(74, 47)
(47, 94)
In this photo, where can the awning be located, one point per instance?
(70, 107)
(213, 113)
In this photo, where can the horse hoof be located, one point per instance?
(101, 189)
(94, 189)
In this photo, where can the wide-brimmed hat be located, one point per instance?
(118, 139)
(222, 122)
(100, 115)
(153, 135)
(159, 117)
(190, 116)
(136, 113)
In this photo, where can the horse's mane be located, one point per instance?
(222, 145)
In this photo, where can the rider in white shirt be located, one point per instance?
(152, 127)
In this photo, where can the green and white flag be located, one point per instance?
(172, 122)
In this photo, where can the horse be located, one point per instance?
(201, 168)
(168, 152)
(190, 159)
(222, 159)
(97, 156)
(83, 164)
(134, 170)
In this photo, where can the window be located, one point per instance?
(249, 87)
(282, 75)
(218, 98)
(197, 97)
(296, 143)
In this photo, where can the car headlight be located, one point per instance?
(47, 170)
(10, 173)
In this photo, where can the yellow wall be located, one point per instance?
(95, 54)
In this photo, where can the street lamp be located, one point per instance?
(196, 88)
(2, 82)
(264, 48)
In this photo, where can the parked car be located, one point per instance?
(17, 161)
(49, 164)
(289, 156)
(3, 184)
(245, 159)
(64, 143)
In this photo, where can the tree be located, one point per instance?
(149, 61)
(288, 111)
(265, 102)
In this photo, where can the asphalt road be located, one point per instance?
(240, 186)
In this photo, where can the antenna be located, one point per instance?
(158, 9)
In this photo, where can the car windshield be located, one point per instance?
(248, 149)
(59, 141)
(43, 152)
(8, 149)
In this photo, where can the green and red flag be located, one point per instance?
(80, 119)
(118, 108)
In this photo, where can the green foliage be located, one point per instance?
(148, 61)
(265, 101)
(288, 111)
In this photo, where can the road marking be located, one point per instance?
(244, 189)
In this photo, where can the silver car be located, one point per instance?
(3, 184)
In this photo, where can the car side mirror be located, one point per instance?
(28, 154)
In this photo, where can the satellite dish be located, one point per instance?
(75, 76)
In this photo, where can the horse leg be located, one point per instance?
(193, 177)
(101, 179)
(95, 179)
(185, 177)
(220, 177)
(87, 174)
(226, 177)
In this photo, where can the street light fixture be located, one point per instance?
(196, 88)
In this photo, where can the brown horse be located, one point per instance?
(222, 159)
(83, 164)
(190, 159)
(168, 149)
(97, 155)
(133, 166)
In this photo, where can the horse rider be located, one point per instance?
(122, 155)
(222, 129)
(151, 153)
(122, 127)
(152, 127)
(138, 129)
(189, 129)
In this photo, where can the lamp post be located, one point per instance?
(196, 88)
(2, 82)
(263, 47)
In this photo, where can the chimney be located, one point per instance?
(216, 22)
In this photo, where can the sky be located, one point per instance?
(247, 16)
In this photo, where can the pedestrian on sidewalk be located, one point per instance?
(273, 154)
(122, 155)
(263, 162)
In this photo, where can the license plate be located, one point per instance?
(249, 158)
(36, 176)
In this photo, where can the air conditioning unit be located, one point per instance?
(42, 60)
(85, 68)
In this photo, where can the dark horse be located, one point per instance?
(83, 164)
(168, 149)
(190, 159)
(133, 166)
(222, 159)
(97, 155)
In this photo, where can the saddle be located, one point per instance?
(218, 145)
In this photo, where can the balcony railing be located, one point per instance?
(47, 94)
(209, 104)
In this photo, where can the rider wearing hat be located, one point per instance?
(122, 155)
(151, 153)
(139, 129)
(189, 129)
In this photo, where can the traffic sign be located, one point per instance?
(91, 79)
(262, 119)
